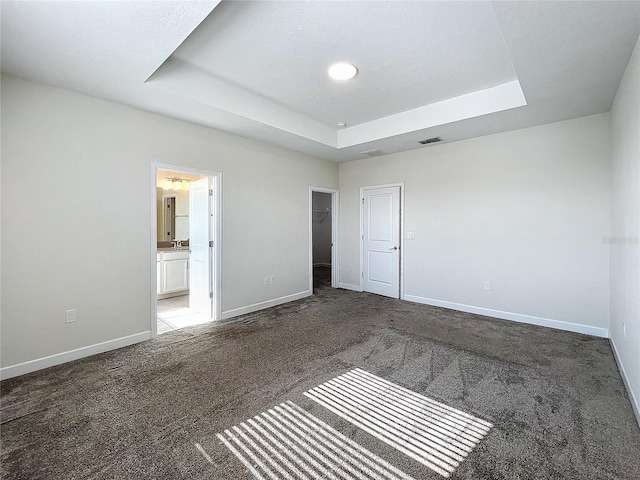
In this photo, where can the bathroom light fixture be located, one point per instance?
(175, 184)
(342, 71)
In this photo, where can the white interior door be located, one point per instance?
(381, 241)
(201, 247)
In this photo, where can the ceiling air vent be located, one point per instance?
(430, 140)
(374, 152)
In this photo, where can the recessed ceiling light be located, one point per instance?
(342, 71)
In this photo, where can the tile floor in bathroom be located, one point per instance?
(174, 313)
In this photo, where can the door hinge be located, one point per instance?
(363, 200)
(210, 243)
(211, 192)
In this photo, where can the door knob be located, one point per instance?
(394, 248)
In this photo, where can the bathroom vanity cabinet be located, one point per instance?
(173, 273)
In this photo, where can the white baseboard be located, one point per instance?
(348, 286)
(266, 304)
(78, 353)
(516, 317)
(635, 404)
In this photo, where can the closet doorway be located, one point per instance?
(323, 247)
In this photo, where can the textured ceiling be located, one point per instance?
(438, 51)
(258, 69)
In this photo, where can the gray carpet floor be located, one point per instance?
(555, 400)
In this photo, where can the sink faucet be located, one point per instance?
(177, 244)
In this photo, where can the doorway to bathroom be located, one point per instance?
(185, 247)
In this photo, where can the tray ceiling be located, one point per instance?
(259, 69)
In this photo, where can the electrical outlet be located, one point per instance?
(411, 235)
(267, 280)
(272, 279)
(487, 285)
(70, 316)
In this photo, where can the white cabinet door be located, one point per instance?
(176, 272)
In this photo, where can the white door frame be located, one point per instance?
(217, 229)
(402, 233)
(335, 258)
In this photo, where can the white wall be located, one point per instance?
(70, 240)
(625, 227)
(527, 210)
(321, 228)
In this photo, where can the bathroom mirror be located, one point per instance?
(173, 215)
(172, 205)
